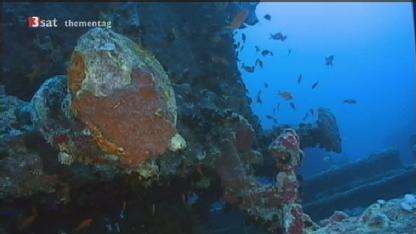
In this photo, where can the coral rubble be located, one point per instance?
(382, 217)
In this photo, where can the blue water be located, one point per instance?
(374, 49)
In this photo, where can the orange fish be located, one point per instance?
(286, 95)
(239, 19)
(29, 220)
(84, 224)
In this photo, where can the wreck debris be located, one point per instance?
(380, 217)
(332, 189)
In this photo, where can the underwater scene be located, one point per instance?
(207, 118)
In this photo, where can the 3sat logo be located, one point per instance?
(37, 22)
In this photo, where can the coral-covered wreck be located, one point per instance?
(150, 104)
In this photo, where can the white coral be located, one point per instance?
(65, 158)
(408, 203)
(177, 142)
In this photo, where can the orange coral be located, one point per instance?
(131, 122)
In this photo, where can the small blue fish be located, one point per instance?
(123, 210)
(312, 111)
(329, 60)
(265, 181)
(306, 116)
(292, 105)
(267, 17)
(315, 84)
(217, 206)
(192, 198)
(300, 78)
(278, 36)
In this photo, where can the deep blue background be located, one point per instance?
(374, 50)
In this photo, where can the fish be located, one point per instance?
(61, 139)
(242, 47)
(265, 181)
(289, 51)
(272, 118)
(278, 36)
(312, 111)
(286, 95)
(267, 17)
(248, 68)
(259, 62)
(305, 116)
(243, 37)
(266, 52)
(199, 170)
(315, 84)
(350, 101)
(329, 60)
(266, 85)
(327, 158)
(153, 209)
(27, 222)
(276, 108)
(217, 206)
(258, 99)
(123, 210)
(237, 45)
(171, 35)
(192, 198)
(84, 224)
(257, 49)
(300, 78)
(239, 19)
(117, 227)
(292, 105)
